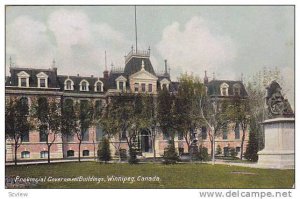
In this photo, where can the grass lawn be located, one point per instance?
(171, 176)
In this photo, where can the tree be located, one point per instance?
(104, 150)
(47, 116)
(110, 124)
(84, 118)
(239, 114)
(165, 113)
(214, 114)
(187, 111)
(17, 122)
(252, 147)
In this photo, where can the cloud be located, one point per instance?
(69, 36)
(196, 48)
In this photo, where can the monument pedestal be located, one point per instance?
(279, 151)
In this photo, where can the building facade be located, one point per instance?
(138, 76)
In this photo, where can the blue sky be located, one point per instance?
(226, 40)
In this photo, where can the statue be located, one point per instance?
(277, 106)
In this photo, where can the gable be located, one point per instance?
(143, 74)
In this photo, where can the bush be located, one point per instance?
(122, 153)
(233, 152)
(170, 155)
(132, 156)
(219, 150)
(104, 150)
(203, 154)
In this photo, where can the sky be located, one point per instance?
(225, 40)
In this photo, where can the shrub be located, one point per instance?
(170, 155)
(132, 156)
(104, 150)
(233, 152)
(203, 154)
(219, 150)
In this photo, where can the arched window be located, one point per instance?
(84, 85)
(44, 154)
(85, 153)
(25, 154)
(70, 153)
(236, 89)
(224, 89)
(98, 86)
(69, 84)
(43, 133)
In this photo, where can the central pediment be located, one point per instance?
(143, 74)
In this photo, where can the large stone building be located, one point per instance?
(137, 76)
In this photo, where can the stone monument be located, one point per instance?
(279, 128)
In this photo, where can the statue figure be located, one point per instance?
(277, 106)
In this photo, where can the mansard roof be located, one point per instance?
(33, 72)
(214, 87)
(77, 79)
(135, 64)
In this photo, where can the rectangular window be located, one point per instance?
(70, 138)
(121, 85)
(85, 136)
(42, 83)
(204, 132)
(166, 136)
(237, 131)
(224, 91)
(225, 134)
(23, 82)
(226, 151)
(136, 87)
(43, 135)
(44, 154)
(99, 133)
(150, 88)
(123, 136)
(143, 87)
(25, 136)
(238, 149)
(180, 136)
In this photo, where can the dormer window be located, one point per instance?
(121, 83)
(84, 85)
(224, 89)
(150, 88)
(98, 86)
(69, 84)
(143, 87)
(164, 84)
(23, 79)
(42, 80)
(136, 87)
(23, 82)
(236, 89)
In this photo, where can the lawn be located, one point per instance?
(170, 176)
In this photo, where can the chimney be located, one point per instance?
(105, 74)
(77, 75)
(92, 76)
(166, 66)
(205, 78)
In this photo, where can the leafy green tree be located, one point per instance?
(104, 150)
(239, 114)
(170, 155)
(187, 113)
(47, 115)
(84, 112)
(17, 121)
(214, 114)
(165, 113)
(252, 146)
